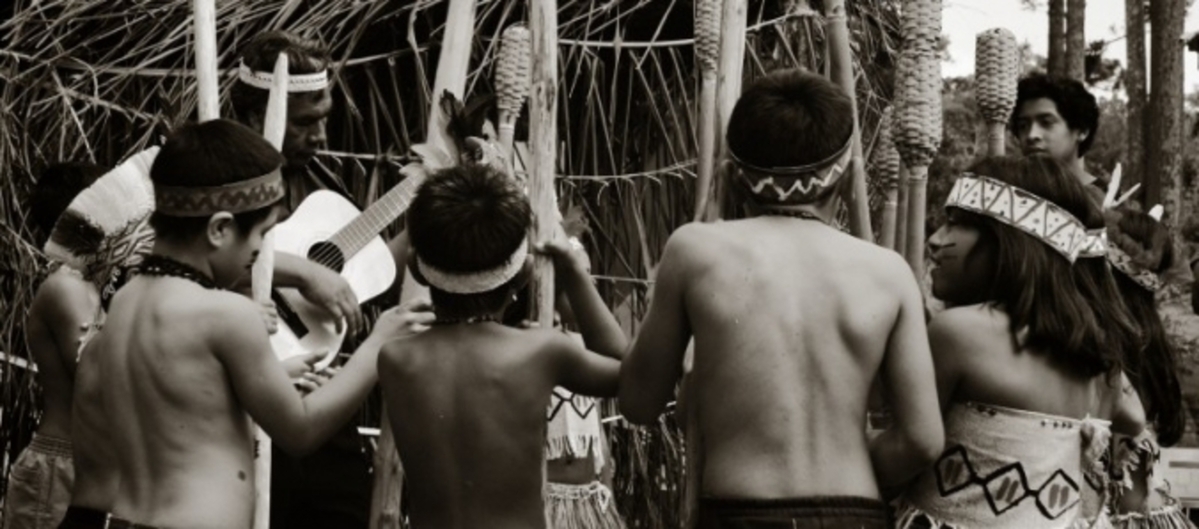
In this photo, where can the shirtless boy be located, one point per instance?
(792, 321)
(180, 362)
(467, 398)
(39, 485)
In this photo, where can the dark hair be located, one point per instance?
(212, 153)
(1074, 103)
(1095, 281)
(466, 219)
(56, 187)
(1153, 369)
(1032, 282)
(304, 56)
(789, 118)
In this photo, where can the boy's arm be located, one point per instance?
(264, 390)
(654, 365)
(582, 371)
(321, 286)
(64, 305)
(917, 436)
(599, 328)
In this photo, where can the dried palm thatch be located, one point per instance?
(101, 79)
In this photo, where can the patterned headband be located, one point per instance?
(475, 282)
(795, 185)
(1127, 266)
(1020, 209)
(1095, 244)
(295, 83)
(237, 197)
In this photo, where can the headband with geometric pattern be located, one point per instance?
(1011, 205)
(795, 185)
(1123, 262)
(238, 197)
(1095, 245)
(295, 83)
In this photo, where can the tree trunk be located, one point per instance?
(1134, 86)
(1076, 42)
(1164, 148)
(1057, 37)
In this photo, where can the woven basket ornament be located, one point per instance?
(997, 67)
(707, 33)
(513, 64)
(884, 157)
(917, 124)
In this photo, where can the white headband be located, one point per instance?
(475, 282)
(295, 83)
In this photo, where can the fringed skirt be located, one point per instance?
(588, 506)
(1167, 517)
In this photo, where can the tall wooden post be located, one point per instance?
(728, 86)
(543, 142)
(204, 21)
(707, 53)
(262, 275)
(841, 68)
(451, 73)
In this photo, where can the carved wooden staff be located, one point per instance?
(728, 83)
(917, 121)
(451, 75)
(543, 142)
(707, 53)
(886, 170)
(841, 68)
(262, 275)
(996, 68)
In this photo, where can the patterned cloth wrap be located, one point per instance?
(1004, 467)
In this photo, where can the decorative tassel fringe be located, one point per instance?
(587, 506)
(1168, 517)
(577, 446)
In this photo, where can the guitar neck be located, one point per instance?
(355, 235)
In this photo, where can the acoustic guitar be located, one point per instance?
(330, 231)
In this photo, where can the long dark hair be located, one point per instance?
(1032, 282)
(1153, 368)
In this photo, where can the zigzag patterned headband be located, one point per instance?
(295, 83)
(237, 197)
(795, 185)
(475, 282)
(1022, 210)
(1095, 244)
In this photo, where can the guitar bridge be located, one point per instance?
(289, 315)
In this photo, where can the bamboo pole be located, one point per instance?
(841, 68)
(204, 22)
(543, 139)
(901, 213)
(728, 86)
(886, 171)
(262, 275)
(452, 68)
(707, 51)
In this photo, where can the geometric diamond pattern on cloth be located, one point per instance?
(1006, 486)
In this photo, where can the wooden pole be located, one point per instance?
(901, 213)
(890, 210)
(728, 86)
(452, 68)
(841, 68)
(917, 204)
(543, 142)
(204, 21)
(262, 275)
(707, 52)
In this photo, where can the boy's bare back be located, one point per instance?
(467, 404)
(791, 320)
(181, 443)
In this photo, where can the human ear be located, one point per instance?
(415, 270)
(220, 228)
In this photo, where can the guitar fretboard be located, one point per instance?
(355, 235)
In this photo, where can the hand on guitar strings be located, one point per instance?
(329, 290)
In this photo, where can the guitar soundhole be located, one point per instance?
(328, 255)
